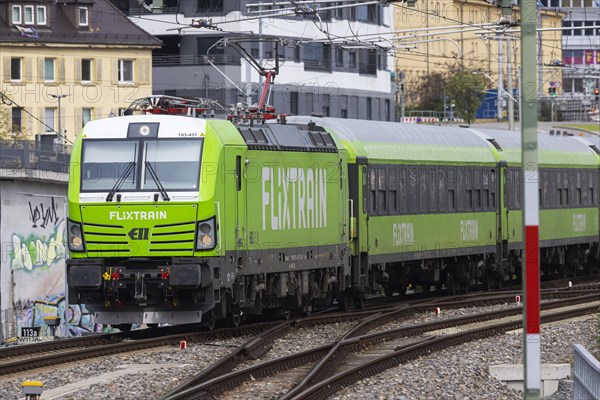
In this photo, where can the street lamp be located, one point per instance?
(60, 132)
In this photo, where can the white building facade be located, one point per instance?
(316, 74)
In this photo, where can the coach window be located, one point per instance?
(579, 197)
(364, 189)
(594, 188)
(412, 185)
(423, 200)
(485, 192)
(373, 190)
(432, 186)
(381, 186)
(460, 189)
(451, 190)
(583, 189)
(517, 185)
(566, 201)
(493, 189)
(393, 198)
(552, 189)
(468, 190)
(589, 189)
(441, 190)
(403, 189)
(477, 190)
(559, 188)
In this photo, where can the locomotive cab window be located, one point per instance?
(175, 162)
(140, 164)
(106, 162)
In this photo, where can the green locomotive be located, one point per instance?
(180, 219)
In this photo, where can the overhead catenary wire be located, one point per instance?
(8, 101)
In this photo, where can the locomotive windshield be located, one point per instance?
(175, 163)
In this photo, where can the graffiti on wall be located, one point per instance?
(42, 214)
(80, 321)
(38, 251)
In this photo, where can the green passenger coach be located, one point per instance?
(179, 219)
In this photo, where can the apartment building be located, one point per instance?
(435, 34)
(65, 63)
(581, 46)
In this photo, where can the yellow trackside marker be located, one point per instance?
(32, 389)
(106, 276)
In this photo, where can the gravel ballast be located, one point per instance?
(456, 373)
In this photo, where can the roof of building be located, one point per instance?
(107, 25)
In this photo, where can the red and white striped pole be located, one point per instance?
(529, 177)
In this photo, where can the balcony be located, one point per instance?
(170, 60)
(317, 65)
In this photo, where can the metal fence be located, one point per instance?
(586, 374)
(40, 155)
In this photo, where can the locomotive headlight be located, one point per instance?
(205, 235)
(75, 236)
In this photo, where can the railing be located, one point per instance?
(317, 65)
(26, 154)
(161, 61)
(586, 374)
(139, 10)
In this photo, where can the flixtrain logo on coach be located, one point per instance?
(294, 198)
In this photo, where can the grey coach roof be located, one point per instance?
(355, 130)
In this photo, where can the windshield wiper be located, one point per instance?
(120, 181)
(159, 185)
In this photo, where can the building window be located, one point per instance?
(387, 109)
(83, 16)
(49, 119)
(339, 56)
(28, 19)
(352, 59)
(125, 71)
(344, 113)
(41, 15)
(368, 62)
(86, 70)
(294, 103)
(49, 69)
(369, 108)
(297, 53)
(16, 119)
(339, 12)
(15, 69)
(86, 116)
(209, 5)
(16, 15)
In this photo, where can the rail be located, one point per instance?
(586, 374)
(37, 155)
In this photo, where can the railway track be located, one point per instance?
(319, 372)
(46, 354)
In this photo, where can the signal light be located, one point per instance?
(552, 91)
(596, 91)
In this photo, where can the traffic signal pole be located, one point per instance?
(529, 178)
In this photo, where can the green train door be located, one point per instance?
(502, 214)
(241, 191)
(357, 183)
